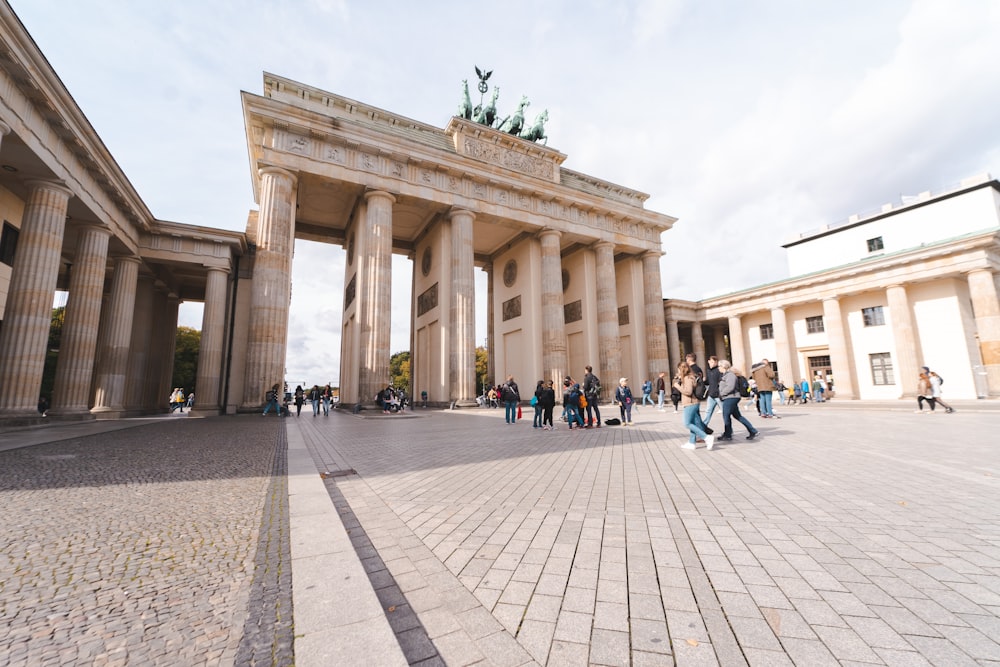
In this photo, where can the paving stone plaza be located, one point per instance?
(847, 535)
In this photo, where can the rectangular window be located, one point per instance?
(766, 331)
(815, 324)
(881, 368)
(873, 317)
(875, 244)
(8, 243)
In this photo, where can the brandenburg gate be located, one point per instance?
(572, 261)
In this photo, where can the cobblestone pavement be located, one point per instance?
(841, 537)
(156, 545)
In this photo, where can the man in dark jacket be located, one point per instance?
(712, 377)
(591, 390)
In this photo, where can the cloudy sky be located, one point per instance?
(748, 121)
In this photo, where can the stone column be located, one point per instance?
(152, 392)
(463, 311)
(986, 310)
(271, 290)
(736, 346)
(841, 360)
(169, 347)
(905, 336)
(78, 347)
(110, 386)
(554, 353)
(698, 344)
(608, 341)
(213, 325)
(28, 316)
(491, 364)
(139, 345)
(784, 346)
(674, 338)
(4, 131)
(656, 336)
(375, 294)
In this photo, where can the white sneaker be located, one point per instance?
(709, 441)
(689, 445)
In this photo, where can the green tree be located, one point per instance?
(52, 352)
(482, 368)
(186, 358)
(399, 370)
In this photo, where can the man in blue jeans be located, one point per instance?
(511, 397)
(712, 377)
(763, 375)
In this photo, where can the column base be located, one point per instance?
(207, 412)
(466, 403)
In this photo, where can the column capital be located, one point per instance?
(370, 194)
(127, 258)
(50, 185)
(278, 171)
(652, 253)
(548, 231)
(598, 245)
(4, 129)
(457, 211)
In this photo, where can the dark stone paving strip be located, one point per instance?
(268, 634)
(412, 637)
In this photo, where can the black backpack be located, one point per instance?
(742, 387)
(700, 389)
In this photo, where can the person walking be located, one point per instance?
(592, 392)
(511, 396)
(712, 377)
(647, 389)
(327, 395)
(924, 393)
(729, 391)
(536, 403)
(806, 392)
(623, 394)
(300, 397)
(763, 375)
(271, 399)
(661, 392)
(698, 373)
(685, 383)
(936, 383)
(315, 395)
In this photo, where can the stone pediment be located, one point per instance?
(500, 149)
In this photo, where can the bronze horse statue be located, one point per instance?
(488, 113)
(514, 124)
(465, 108)
(537, 130)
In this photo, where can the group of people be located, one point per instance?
(177, 400)
(391, 399)
(723, 387)
(319, 397)
(929, 391)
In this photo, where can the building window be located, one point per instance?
(875, 244)
(8, 243)
(766, 331)
(881, 368)
(873, 317)
(815, 324)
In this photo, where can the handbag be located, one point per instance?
(583, 401)
(534, 401)
(519, 412)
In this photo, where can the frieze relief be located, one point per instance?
(504, 157)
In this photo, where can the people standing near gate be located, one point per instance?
(623, 394)
(712, 377)
(536, 403)
(190, 400)
(300, 397)
(763, 375)
(806, 391)
(592, 392)
(315, 395)
(511, 396)
(695, 369)
(924, 393)
(685, 383)
(936, 382)
(661, 392)
(271, 401)
(818, 388)
(547, 400)
(729, 392)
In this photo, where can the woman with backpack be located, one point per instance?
(732, 388)
(623, 394)
(685, 384)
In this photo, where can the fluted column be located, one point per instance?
(554, 354)
(117, 332)
(139, 345)
(674, 340)
(28, 315)
(840, 349)
(783, 346)
(905, 337)
(491, 363)
(213, 323)
(608, 340)
(168, 345)
(153, 392)
(986, 310)
(736, 346)
(271, 290)
(698, 343)
(375, 294)
(78, 347)
(463, 310)
(656, 336)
